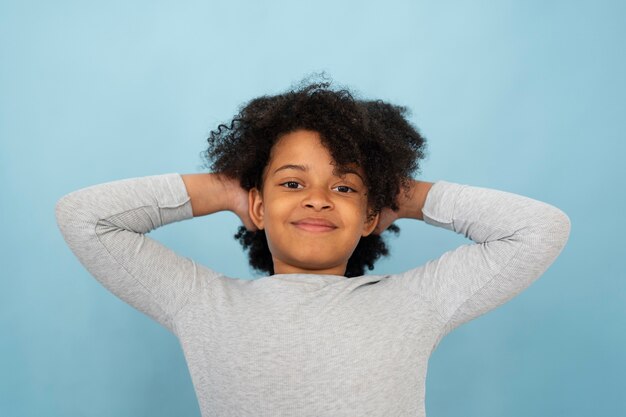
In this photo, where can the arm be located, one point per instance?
(105, 226)
(516, 239)
(213, 192)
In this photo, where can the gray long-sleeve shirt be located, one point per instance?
(310, 345)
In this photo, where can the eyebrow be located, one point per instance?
(305, 168)
(291, 166)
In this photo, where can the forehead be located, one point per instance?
(298, 143)
(305, 147)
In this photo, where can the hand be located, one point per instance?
(386, 218)
(238, 201)
(410, 204)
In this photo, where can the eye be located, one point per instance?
(345, 189)
(290, 184)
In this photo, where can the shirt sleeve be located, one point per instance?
(105, 226)
(515, 240)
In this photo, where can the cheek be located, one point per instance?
(276, 213)
(360, 210)
(357, 218)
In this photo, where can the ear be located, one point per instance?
(255, 208)
(370, 225)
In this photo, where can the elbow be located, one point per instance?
(557, 228)
(67, 211)
(562, 223)
(545, 238)
(61, 209)
(62, 213)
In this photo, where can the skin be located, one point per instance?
(301, 188)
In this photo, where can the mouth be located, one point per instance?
(315, 225)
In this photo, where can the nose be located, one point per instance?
(317, 199)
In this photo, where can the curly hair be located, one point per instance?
(373, 134)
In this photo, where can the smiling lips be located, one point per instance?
(315, 225)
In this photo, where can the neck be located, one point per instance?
(283, 268)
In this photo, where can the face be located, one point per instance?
(313, 217)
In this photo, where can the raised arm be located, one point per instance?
(105, 226)
(202, 189)
(516, 239)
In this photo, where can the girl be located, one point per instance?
(316, 177)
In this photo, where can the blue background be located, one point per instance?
(526, 96)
